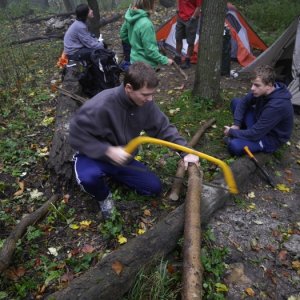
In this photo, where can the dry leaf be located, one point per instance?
(170, 268)
(282, 255)
(221, 288)
(87, 249)
(122, 239)
(14, 273)
(21, 190)
(67, 277)
(117, 267)
(85, 224)
(251, 195)
(250, 292)
(140, 231)
(282, 187)
(147, 213)
(53, 251)
(74, 226)
(296, 265)
(66, 198)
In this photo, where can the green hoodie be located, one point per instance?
(138, 31)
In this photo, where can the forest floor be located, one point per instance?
(260, 227)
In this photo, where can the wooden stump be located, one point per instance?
(61, 153)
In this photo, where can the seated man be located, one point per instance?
(78, 41)
(263, 119)
(107, 122)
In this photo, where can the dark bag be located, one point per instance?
(102, 73)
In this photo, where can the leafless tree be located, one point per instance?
(3, 3)
(207, 76)
(94, 23)
(69, 5)
(40, 3)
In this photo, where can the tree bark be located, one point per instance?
(94, 23)
(44, 4)
(3, 3)
(177, 183)
(10, 243)
(207, 76)
(61, 153)
(68, 5)
(192, 268)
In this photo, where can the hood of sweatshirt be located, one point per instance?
(132, 15)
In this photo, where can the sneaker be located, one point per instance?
(177, 59)
(187, 64)
(107, 206)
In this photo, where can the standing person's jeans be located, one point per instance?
(236, 145)
(91, 175)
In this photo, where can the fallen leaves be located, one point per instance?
(296, 266)
(282, 187)
(85, 224)
(87, 248)
(122, 239)
(21, 184)
(53, 251)
(117, 267)
(249, 291)
(14, 273)
(47, 121)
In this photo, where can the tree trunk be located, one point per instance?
(44, 4)
(61, 153)
(3, 3)
(69, 5)
(94, 23)
(207, 76)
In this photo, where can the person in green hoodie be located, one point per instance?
(138, 31)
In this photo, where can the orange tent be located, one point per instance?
(243, 37)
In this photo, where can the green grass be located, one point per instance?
(155, 284)
(271, 17)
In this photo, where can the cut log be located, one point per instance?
(61, 153)
(10, 243)
(177, 183)
(192, 268)
(101, 282)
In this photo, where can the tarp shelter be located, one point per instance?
(284, 56)
(243, 37)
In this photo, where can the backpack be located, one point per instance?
(102, 73)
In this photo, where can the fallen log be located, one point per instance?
(10, 243)
(61, 153)
(102, 22)
(101, 282)
(192, 268)
(38, 20)
(37, 38)
(177, 183)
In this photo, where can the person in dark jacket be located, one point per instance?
(78, 41)
(263, 119)
(107, 122)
